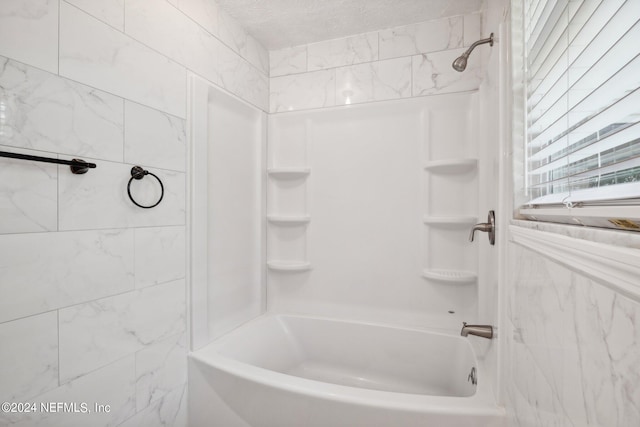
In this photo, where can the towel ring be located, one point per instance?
(138, 173)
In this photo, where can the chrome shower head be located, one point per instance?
(461, 62)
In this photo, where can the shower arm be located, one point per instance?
(478, 43)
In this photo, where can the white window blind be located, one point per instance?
(583, 101)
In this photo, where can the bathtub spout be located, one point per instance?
(485, 331)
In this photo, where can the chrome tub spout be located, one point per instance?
(485, 331)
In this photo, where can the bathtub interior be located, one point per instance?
(352, 354)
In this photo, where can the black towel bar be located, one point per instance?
(78, 166)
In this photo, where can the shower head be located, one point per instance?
(461, 62)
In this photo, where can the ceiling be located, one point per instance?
(284, 23)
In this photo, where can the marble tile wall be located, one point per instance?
(92, 288)
(572, 347)
(401, 62)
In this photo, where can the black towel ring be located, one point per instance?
(138, 173)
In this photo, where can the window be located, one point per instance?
(582, 90)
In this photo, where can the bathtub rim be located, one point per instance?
(480, 403)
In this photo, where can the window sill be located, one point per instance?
(610, 257)
(608, 236)
(613, 217)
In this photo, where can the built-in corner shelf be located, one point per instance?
(451, 276)
(450, 221)
(451, 165)
(288, 173)
(291, 266)
(289, 219)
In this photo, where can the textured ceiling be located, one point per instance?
(284, 23)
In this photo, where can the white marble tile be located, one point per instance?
(29, 32)
(544, 294)
(242, 79)
(256, 55)
(28, 195)
(99, 198)
(28, 357)
(236, 38)
(538, 404)
(108, 11)
(473, 29)
(159, 255)
(204, 12)
(433, 74)
(375, 81)
(231, 33)
(430, 36)
(45, 112)
(100, 332)
(160, 368)
(113, 385)
(607, 367)
(303, 91)
(45, 271)
(577, 361)
(153, 138)
(164, 28)
(93, 53)
(170, 410)
(344, 51)
(291, 60)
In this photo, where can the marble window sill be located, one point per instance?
(628, 239)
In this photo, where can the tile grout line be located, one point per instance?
(58, 327)
(124, 126)
(368, 62)
(378, 101)
(411, 77)
(101, 229)
(58, 309)
(77, 82)
(59, 1)
(135, 241)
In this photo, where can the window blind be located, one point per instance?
(582, 73)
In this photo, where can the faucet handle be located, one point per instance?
(482, 226)
(487, 227)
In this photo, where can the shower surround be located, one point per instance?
(368, 208)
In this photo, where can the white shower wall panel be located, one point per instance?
(235, 198)
(367, 194)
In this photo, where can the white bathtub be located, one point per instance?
(281, 370)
